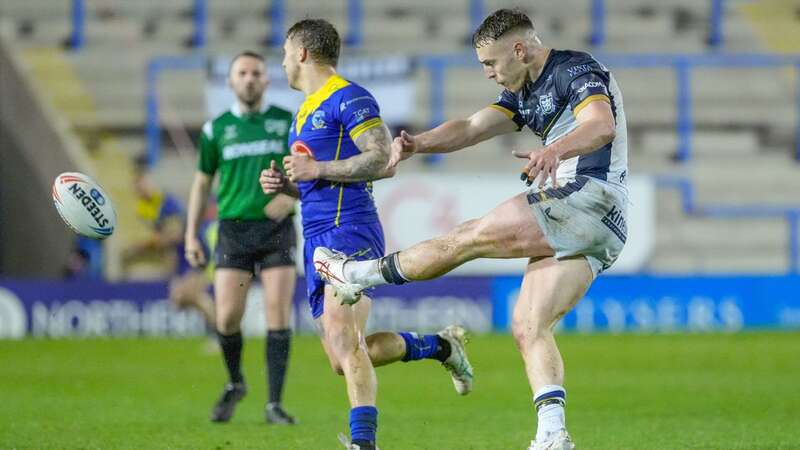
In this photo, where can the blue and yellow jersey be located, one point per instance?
(327, 124)
(162, 210)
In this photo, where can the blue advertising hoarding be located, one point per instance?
(483, 304)
(670, 304)
(92, 308)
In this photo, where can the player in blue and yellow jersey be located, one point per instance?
(162, 213)
(339, 145)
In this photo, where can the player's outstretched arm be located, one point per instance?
(371, 164)
(198, 196)
(453, 135)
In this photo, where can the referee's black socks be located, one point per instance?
(232, 352)
(277, 360)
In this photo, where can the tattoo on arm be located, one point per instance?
(375, 145)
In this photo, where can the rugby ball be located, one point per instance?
(84, 205)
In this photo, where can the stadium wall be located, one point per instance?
(614, 304)
(35, 241)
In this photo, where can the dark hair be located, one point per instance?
(246, 53)
(319, 37)
(499, 23)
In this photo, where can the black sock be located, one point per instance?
(390, 269)
(443, 351)
(232, 352)
(277, 359)
(365, 445)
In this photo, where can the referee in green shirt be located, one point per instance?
(256, 233)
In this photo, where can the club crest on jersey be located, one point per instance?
(318, 120)
(546, 104)
(230, 132)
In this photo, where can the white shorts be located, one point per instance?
(584, 217)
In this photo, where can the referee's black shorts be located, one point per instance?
(255, 245)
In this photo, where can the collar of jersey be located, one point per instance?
(312, 102)
(535, 83)
(236, 110)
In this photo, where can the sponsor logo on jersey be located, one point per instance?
(344, 105)
(88, 202)
(361, 114)
(230, 133)
(615, 222)
(318, 120)
(590, 84)
(579, 69)
(279, 127)
(546, 104)
(254, 148)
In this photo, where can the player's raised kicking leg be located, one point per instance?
(508, 231)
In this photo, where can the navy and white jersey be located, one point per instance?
(569, 81)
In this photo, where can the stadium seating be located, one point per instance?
(744, 120)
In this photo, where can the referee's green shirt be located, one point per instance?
(240, 145)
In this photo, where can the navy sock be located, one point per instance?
(422, 347)
(363, 424)
(555, 396)
(390, 269)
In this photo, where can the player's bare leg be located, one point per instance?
(344, 340)
(279, 285)
(190, 291)
(230, 291)
(549, 290)
(360, 313)
(508, 231)
(383, 347)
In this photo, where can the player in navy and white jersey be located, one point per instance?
(549, 106)
(570, 224)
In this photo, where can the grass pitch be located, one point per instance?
(624, 392)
